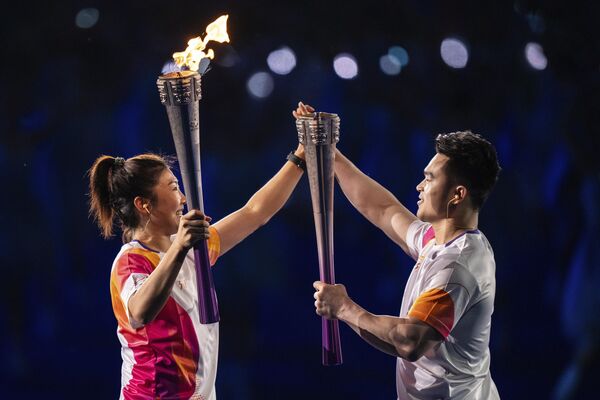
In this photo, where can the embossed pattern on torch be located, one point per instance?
(319, 132)
(180, 93)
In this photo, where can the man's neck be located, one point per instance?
(448, 229)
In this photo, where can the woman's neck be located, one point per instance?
(153, 240)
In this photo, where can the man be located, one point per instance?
(441, 336)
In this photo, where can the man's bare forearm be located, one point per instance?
(373, 201)
(400, 337)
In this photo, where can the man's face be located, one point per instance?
(434, 190)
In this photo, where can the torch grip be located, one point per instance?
(330, 338)
(330, 330)
(207, 295)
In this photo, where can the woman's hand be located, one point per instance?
(193, 227)
(302, 110)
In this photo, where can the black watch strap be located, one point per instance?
(297, 161)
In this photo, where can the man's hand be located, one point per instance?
(302, 110)
(330, 300)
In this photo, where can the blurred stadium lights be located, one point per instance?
(260, 85)
(282, 61)
(400, 53)
(534, 53)
(87, 17)
(389, 64)
(345, 66)
(454, 53)
(392, 62)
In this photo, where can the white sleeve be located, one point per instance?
(132, 284)
(417, 232)
(445, 297)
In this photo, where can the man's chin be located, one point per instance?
(423, 216)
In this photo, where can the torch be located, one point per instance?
(319, 132)
(180, 93)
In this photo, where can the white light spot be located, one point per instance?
(390, 65)
(534, 53)
(87, 18)
(282, 61)
(345, 66)
(400, 54)
(260, 85)
(454, 53)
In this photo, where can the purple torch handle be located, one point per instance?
(319, 133)
(180, 93)
(207, 295)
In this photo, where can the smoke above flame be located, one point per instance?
(216, 31)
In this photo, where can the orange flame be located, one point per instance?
(216, 31)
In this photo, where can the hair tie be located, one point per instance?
(119, 161)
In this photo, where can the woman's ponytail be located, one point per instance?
(100, 194)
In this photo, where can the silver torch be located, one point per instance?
(180, 93)
(319, 132)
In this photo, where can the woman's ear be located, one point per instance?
(142, 205)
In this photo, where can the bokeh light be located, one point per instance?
(390, 65)
(454, 53)
(400, 54)
(534, 53)
(260, 85)
(282, 61)
(87, 18)
(345, 66)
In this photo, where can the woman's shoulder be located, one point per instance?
(135, 253)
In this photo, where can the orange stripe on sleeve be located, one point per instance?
(153, 257)
(436, 308)
(214, 245)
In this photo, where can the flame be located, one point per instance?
(216, 31)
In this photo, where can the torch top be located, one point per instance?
(318, 128)
(320, 115)
(179, 88)
(178, 75)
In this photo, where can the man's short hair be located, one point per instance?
(473, 163)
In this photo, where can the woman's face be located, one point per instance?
(167, 210)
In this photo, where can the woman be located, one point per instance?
(166, 352)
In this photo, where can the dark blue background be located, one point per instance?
(71, 94)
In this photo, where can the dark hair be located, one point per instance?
(473, 163)
(116, 182)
